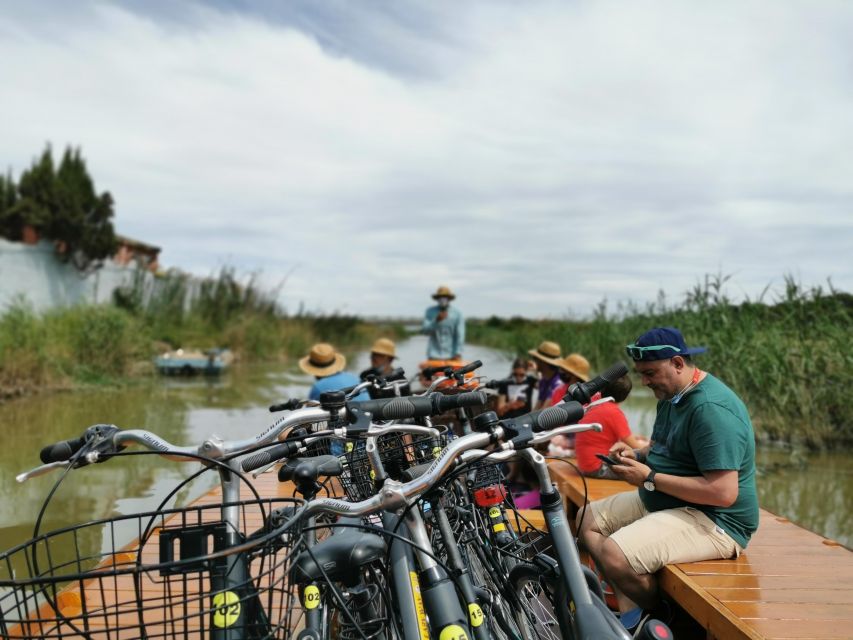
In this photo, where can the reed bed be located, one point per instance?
(789, 359)
(97, 344)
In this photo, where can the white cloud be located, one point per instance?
(556, 153)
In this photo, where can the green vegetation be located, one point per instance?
(107, 343)
(790, 361)
(61, 204)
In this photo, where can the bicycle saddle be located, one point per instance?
(342, 556)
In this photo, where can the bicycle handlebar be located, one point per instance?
(583, 391)
(417, 406)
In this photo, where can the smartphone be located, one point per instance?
(606, 459)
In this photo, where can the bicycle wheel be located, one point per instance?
(543, 602)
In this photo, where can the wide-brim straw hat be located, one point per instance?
(443, 292)
(577, 365)
(384, 347)
(322, 361)
(549, 352)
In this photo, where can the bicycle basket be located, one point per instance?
(398, 453)
(150, 575)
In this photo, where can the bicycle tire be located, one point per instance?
(543, 599)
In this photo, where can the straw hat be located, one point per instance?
(443, 292)
(577, 365)
(322, 361)
(384, 347)
(549, 352)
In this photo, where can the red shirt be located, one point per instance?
(587, 443)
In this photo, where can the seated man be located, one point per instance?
(382, 356)
(327, 367)
(696, 497)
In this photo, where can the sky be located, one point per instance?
(537, 157)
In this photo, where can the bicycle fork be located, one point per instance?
(446, 617)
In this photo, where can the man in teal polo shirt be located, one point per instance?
(697, 498)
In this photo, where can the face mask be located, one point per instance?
(443, 302)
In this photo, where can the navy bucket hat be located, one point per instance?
(661, 343)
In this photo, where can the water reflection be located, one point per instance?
(815, 491)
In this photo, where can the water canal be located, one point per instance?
(814, 490)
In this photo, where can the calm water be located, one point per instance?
(814, 490)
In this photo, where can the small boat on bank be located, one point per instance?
(191, 362)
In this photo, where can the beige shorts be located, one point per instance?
(652, 540)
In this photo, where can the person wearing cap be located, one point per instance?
(696, 497)
(382, 356)
(327, 366)
(547, 357)
(445, 327)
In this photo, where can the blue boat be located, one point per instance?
(194, 362)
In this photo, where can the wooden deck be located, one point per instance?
(789, 584)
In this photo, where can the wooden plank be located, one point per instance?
(789, 583)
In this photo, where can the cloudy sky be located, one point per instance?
(535, 156)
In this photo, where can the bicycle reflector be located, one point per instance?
(490, 496)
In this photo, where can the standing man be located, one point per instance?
(445, 327)
(696, 497)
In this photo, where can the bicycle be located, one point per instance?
(579, 610)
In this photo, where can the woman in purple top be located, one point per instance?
(547, 356)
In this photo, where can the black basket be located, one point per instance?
(486, 474)
(150, 575)
(398, 453)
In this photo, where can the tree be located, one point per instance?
(83, 218)
(8, 198)
(62, 205)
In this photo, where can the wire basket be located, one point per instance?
(486, 474)
(151, 575)
(398, 453)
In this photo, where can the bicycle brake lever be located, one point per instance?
(41, 470)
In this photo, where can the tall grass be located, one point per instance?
(788, 358)
(94, 344)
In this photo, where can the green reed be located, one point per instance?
(110, 343)
(789, 358)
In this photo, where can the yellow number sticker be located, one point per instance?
(312, 596)
(475, 613)
(349, 447)
(453, 632)
(226, 609)
(500, 526)
(494, 512)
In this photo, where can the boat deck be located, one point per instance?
(789, 583)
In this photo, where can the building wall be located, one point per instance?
(32, 271)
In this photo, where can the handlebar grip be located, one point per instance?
(468, 368)
(468, 399)
(397, 408)
(61, 451)
(583, 391)
(263, 458)
(429, 372)
(557, 416)
(396, 374)
(287, 405)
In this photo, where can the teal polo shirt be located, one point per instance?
(708, 430)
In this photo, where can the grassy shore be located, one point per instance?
(107, 344)
(789, 360)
